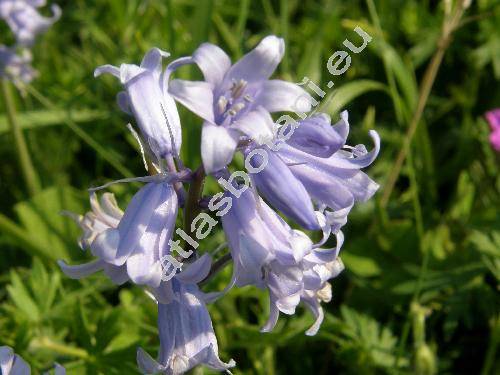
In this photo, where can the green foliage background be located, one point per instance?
(420, 289)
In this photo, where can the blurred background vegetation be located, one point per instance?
(420, 289)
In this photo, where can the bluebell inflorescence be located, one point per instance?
(309, 175)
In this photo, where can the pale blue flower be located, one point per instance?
(269, 254)
(187, 338)
(236, 100)
(104, 215)
(147, 99)
(316, 159)
(11, 363)
(284, 191)
(15, 65)
(306, 282)
(25, 21)
(256, 236)
(134, 247)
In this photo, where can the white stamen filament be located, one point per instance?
(170, 133)
(238, 88)
(222, 104)
(138, 139)
(238, 107)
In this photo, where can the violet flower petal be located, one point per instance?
(217, 146)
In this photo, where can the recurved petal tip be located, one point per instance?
(146, 364)
(110, 69)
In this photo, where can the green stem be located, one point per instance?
(270, 16)
(388, 72)
(217, 266)
(417, 207)
(241, 24)
(491, 356)
(284, 32)
(269, 360)
(25, 162)
(170, 24)
(82, 134)
(423, 250)
(450, 24)
(192, 208)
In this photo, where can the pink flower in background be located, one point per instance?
(493, 118)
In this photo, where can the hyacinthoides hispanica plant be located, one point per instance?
(307, 173)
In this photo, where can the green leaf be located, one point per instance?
(42, 220)
(44, 285)
(342, 96)
(43, 118)
(361, 265)
(404, 75)
(366, 341)
(22, 298)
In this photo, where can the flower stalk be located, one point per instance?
(192, 208)
(450, 24)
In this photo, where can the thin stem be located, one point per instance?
(170, 25)
(424, 250)
(82, 134)
(218, 266)
(30, 177)
(269, 13)
(284, 32)
(489, 360)
(179, 188)
(192, 208)
(269, 360)
(449, 26)
(242, 21)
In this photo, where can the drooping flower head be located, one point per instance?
(317, 160)
(493, 118)
(187, 338)
(305, 281)
(236, 100)
(271, 255)
(132, 246)
(146, 98)
(256, 235)
(15, 65)
(25, 21)
(104, 215)
(284, 191)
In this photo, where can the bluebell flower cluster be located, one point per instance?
(306, 178)
(26, 23)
